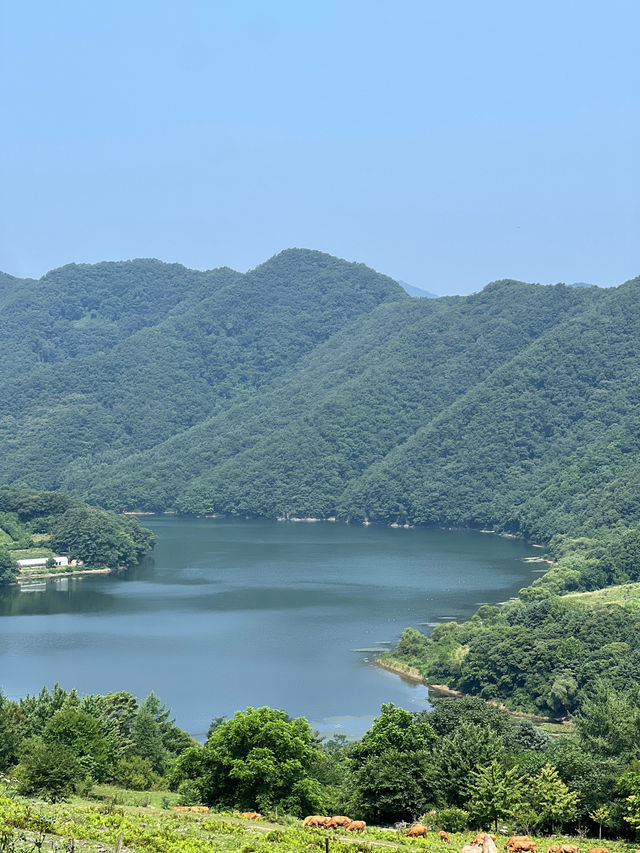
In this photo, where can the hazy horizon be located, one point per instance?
(407, 285)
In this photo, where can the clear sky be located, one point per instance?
(444, 143)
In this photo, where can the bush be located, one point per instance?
(453, 819)
(189, 792)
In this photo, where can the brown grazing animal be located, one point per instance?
(555, 848)
(417, 830)
(200, 809)
(251, 815)
(182, 808)
(444, 836)
(568, 848)
(514, 840)
(338, 820)
(598, 850)
(479, 839)
(522, 846)
(315, 820)
(356, 826)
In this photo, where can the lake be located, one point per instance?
(230, 613)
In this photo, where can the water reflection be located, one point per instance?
(231, 613)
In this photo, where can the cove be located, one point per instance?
(227, 613)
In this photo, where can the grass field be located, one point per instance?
(626, 594)
(26, 826)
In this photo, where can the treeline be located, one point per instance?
(56, 743)
(53, 522)
(463, 764)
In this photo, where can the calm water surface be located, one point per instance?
(231, 613)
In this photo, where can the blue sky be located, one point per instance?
(446, 144)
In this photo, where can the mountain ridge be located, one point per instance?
(311, 386)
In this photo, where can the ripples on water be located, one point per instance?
(230, 613)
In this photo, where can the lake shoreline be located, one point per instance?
(286, 605)
(48, 575)
(334, 520)
(443, 690)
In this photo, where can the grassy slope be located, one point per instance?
(97, 828)
(626, 595)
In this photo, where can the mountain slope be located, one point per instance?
(226, 336)
(294, 447)
(503, 454)
(314, 386)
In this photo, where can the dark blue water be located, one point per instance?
(230, 613)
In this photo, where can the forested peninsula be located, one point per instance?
(314, 387)
(37, 528)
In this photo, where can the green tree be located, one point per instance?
(136, 773)
(395, 729)
(601, 815)
(468, 749)
(609, 723)
(259, 758)
(551, 800)
(117, 711)
(392, 777)
(147, 739)
(495, 793)
(8, 567)
(48, 772)
(10, 734)
(561, 697)
(448, 714)
(393, 786)
(632, 815)
(84, 737)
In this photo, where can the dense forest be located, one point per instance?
(315, 387)
(462, 764)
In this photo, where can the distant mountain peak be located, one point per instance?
(416, 291)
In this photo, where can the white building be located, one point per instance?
(42, 561)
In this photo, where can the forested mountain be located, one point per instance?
(312, 386)
(171, 347)
(547, 443)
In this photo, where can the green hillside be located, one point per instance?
(548, 443)
(312, 386)
(200, 340)
(315, 387)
